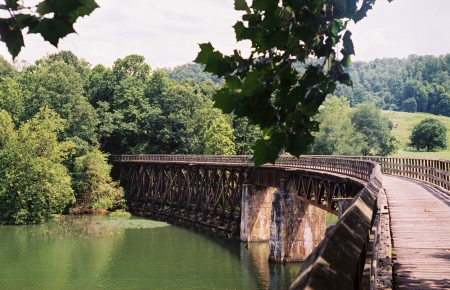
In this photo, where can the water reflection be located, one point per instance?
(53, 256)
(43, 257)
(254, 257)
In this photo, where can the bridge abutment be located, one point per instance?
(256, 207)
(296, 227)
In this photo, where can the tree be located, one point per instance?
(52, 19)
(219, 137)
(199, 122)
(157, 85)
(368, 120)
(131, 66)
(59, 87)
(265, 87)
(443, 106)
(190, 71)
(435, 93)
(429, 133)
(99, 86)
(416, 90)
(337, 135)
(81, 66)
(33, 182)
(6, 69)
(245, 136)
(179, 103)
(11, 99)
(136, 118)
(410, 105)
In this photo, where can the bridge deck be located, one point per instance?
(420, 217)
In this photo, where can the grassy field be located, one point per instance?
(403, 124)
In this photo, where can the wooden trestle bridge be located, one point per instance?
(285, 204)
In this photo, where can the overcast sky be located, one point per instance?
(167, 32)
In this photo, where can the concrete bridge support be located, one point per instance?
(256, 207)
(296, 227)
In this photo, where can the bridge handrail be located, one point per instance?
(433, 171)
(354, 168)
(347, 256)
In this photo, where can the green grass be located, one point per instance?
(331, 219)
(403, 124)
(134, 224)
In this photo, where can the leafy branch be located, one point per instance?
(52, 19)
(265, 87)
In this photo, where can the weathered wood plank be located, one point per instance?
(420, 232)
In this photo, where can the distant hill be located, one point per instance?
(192, 71)
(403, 123)
(414, 84)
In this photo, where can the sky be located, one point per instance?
(167, 32)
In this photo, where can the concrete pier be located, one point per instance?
(256, 207)
(296, 228)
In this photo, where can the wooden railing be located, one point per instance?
(435, 172)
(347, 257)
(359, 169)
(432, 171)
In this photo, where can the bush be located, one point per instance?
(93, 184)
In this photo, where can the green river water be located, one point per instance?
(100, 252)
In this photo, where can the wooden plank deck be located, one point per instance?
(420, 226)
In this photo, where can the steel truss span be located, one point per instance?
(208, 189)
(210, 196)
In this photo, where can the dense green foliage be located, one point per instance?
(191, 71)
(33, 182)
(245, 136)
(378, 139)
(265, 87)
(429, 134)
(144, 111)
(414, 84)
(59, 86)
(345, 131)
(219, 137)
(93, 184)
(337, 135)
(128, 108)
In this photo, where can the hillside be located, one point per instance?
(413, 84)
(403, 124)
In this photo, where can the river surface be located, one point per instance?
(100, 252)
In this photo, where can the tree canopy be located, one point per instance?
(219, 137)
(429, 134)
(378, 139)
(352, 131)
(337, 135)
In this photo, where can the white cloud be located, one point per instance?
(401, 28)
(169, 31)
